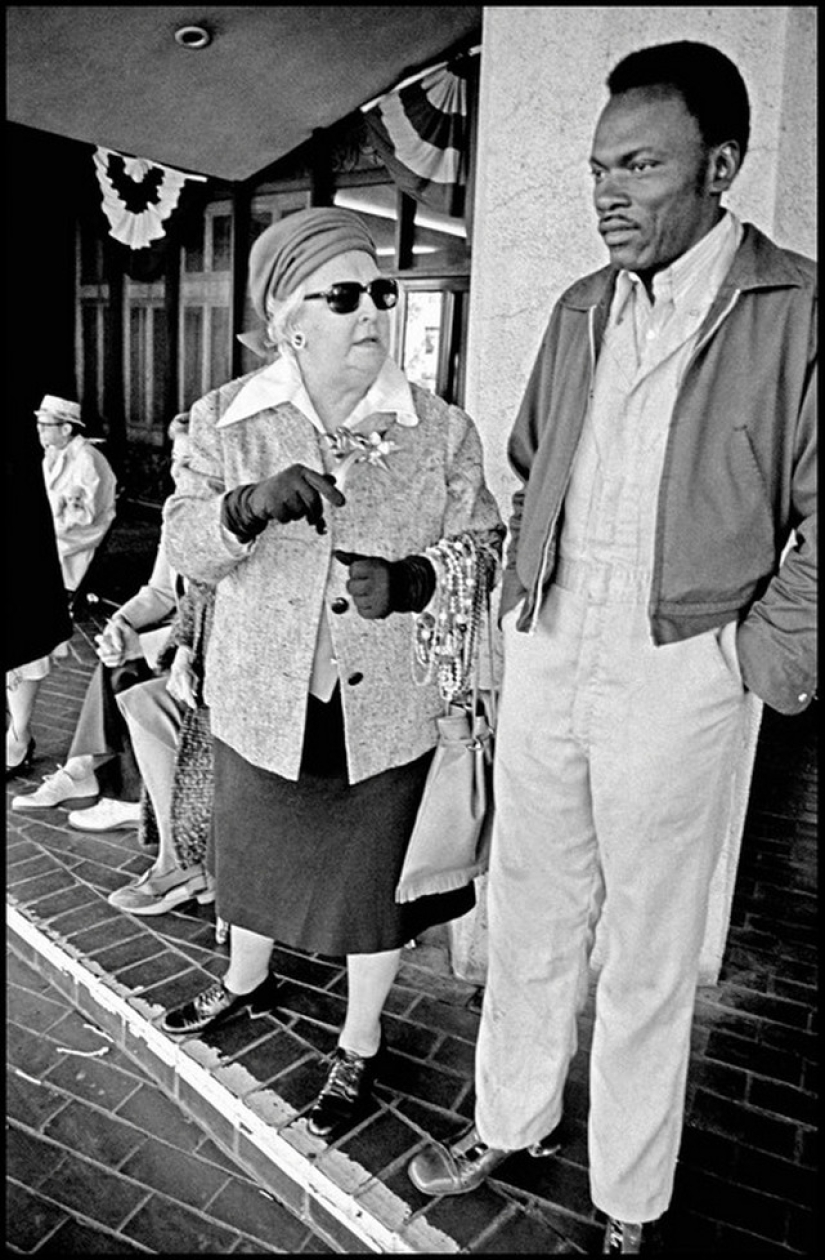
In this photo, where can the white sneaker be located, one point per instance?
(55, 789)
(107, 815)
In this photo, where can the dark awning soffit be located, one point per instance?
(272, 74)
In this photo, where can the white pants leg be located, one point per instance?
(154, 721)
(543, 887)
(615, 757)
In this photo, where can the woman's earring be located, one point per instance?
(298, 340)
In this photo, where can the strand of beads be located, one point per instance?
(446, 640)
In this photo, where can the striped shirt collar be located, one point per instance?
(281, 382)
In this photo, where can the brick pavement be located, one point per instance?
(748, 1166)
(100, 1160)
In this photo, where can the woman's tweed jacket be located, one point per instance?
(193, 780)
(271, 593)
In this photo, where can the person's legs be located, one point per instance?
(101, 736)
(153, 720)
(82, 765)
(350, 1079)
(76, 777)
(249, 955)
(544, 885)
(663, 752)
(248, 985)
(22, 689)
(369, 980)
(543, 897)
(21, 697)
(102, 747)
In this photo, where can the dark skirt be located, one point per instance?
(314, 863)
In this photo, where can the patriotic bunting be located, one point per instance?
(421, 135)
(138, 196)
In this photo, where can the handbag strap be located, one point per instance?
(493, 687)
(477, 670)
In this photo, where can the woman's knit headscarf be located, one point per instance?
(291, 249)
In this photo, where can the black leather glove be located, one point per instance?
(380, 587)
(297, 491)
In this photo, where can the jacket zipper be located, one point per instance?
(591, 317)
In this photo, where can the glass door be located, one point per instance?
(431, 334)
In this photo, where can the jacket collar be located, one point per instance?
(281, 382)
(760, 264)
(757, 264)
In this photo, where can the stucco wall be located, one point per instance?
(542, 89)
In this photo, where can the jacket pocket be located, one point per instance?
(747, 453)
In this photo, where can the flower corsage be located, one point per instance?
(349, 447)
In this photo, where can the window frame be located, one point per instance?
(206, 290)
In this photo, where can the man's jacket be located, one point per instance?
(739, 473)
(81, 487)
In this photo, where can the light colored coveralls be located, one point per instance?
(613, 764)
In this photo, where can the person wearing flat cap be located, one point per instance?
(338, 508)
(80, 484)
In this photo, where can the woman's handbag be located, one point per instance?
(450, 842)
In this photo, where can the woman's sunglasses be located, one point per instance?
(345, 297)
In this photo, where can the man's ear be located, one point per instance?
(723, 165)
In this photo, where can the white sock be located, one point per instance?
(79, 767)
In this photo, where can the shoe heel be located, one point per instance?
(264, 1003)
(25, 765)
(548, 1145)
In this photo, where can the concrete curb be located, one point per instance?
(274, 1146)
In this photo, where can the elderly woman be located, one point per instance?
(330, 501)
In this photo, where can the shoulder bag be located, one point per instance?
(450, 842)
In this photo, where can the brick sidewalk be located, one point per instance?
(747, 1170)
(100, 1160)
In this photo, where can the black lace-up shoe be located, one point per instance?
(455, 1169)
(216, 1004)
(632, 1238)
(347, 1088)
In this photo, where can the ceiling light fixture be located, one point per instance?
(193, 36)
